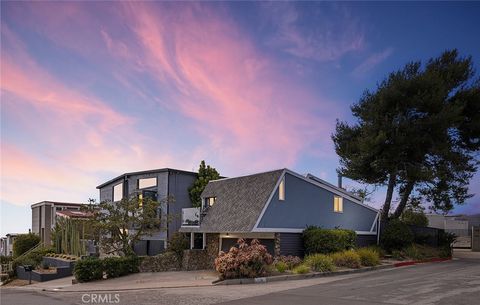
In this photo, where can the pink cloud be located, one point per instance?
(241, 102)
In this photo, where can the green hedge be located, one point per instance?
(92, 269)
(317, 240)
(396, 236)
(89, 269)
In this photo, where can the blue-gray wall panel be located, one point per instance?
(307, 204)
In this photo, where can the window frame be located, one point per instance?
(281, 190)
(337, 204)
(113, 191)
(146, 187)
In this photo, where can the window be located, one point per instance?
(338, 204)
(281, 190)
(140, 200)
(210, 201)
(118, 192)
(147, 182)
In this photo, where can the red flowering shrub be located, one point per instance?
(244, 261)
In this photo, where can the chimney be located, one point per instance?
(340, 180)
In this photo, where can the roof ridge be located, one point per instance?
(249, 175)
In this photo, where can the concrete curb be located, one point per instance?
(288, 277)
(423, 261)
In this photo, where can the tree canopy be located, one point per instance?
(205, 174)
(24, 242)
(417, 133)
(121, 224)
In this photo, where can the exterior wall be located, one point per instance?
(366, 240)
(36, 220)
(178, 185)
(307, 204)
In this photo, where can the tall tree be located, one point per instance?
(205, 174)
(418, 132)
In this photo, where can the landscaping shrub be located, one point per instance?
(290, 260)
(445, 243)
(396, 236)
(281, 266)
(317, 240)
(119, 266)
(301, 269)
(178, 243)
(24, 242)
(89, 269)
(368, 256)
(348, 258)
(320, 262)
(33, 258)
(244, 261)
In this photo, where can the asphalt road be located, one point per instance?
(455, 282)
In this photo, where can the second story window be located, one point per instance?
(281, 190)
(147, 182)
(338, 204)
(209, 201)
(118, 192)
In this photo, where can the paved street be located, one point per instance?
(455, 282)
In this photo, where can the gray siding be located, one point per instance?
(307, 204)
(178, 185)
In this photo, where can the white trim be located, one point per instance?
(292, 230)
(192, 240)
(365, 233)
(282, 176)
(204, 241)
(374, 222)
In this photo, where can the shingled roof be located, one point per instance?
(239, 201)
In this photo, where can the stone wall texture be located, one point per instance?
(167, 261)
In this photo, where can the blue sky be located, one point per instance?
(94, 89)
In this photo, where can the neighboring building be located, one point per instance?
(6, 244)
(44, 215)
(158, 184)
(460, 225)
(275, 207)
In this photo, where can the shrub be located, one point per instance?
(320, 262)
(348, 258)
(178, 243)
(301, 269)
(445, 243)
(290, 261)
(317, 240)
(24, 242)
(244, 261)
(119, 266)
(33, 258)
(281, 266)
(89, 269)
(396, 236)
(415, 218)
(368, 256)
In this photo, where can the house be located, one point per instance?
(6, 244)
(44, 216)
(157, 184)
(275, 207)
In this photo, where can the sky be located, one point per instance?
(90, 90)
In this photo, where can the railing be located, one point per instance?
(191, 217)
(29, 251)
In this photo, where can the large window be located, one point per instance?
(147, 182)
(118, 192)
(337, 204)
(281, 190)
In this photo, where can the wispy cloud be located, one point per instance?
(371, 62)
(333, 33)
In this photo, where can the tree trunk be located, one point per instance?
(388, 198)
(403, 202)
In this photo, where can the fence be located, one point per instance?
(423, 235)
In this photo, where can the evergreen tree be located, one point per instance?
(205, 174)
(419, 132)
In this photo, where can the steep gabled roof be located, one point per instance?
(239, 201)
